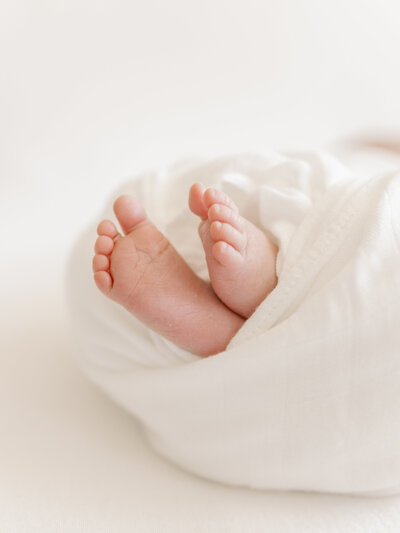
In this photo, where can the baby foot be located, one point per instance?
(144, 273)
(240, 257)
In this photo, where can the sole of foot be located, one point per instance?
(241, 259)
(139, 269)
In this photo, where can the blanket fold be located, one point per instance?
(306, 396)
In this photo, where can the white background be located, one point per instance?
(92, 92)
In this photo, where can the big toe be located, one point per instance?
(196, 202)
(129, 212)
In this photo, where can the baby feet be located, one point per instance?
(141, 270)
(240, 257)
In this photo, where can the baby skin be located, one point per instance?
(140, 270)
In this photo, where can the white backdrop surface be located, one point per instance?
(91, 93)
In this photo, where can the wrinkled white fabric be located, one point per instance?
(306, 396)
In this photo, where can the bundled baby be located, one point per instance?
(303, 394)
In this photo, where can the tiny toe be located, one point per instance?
(216, 196)
(220, 231)
(103, 281)
(225, 214)
(100, 262)
(129, 212)
(225, 254)
(106, 227)
(196, 202)
(104, 245)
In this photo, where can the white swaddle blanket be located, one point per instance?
(307, 394)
